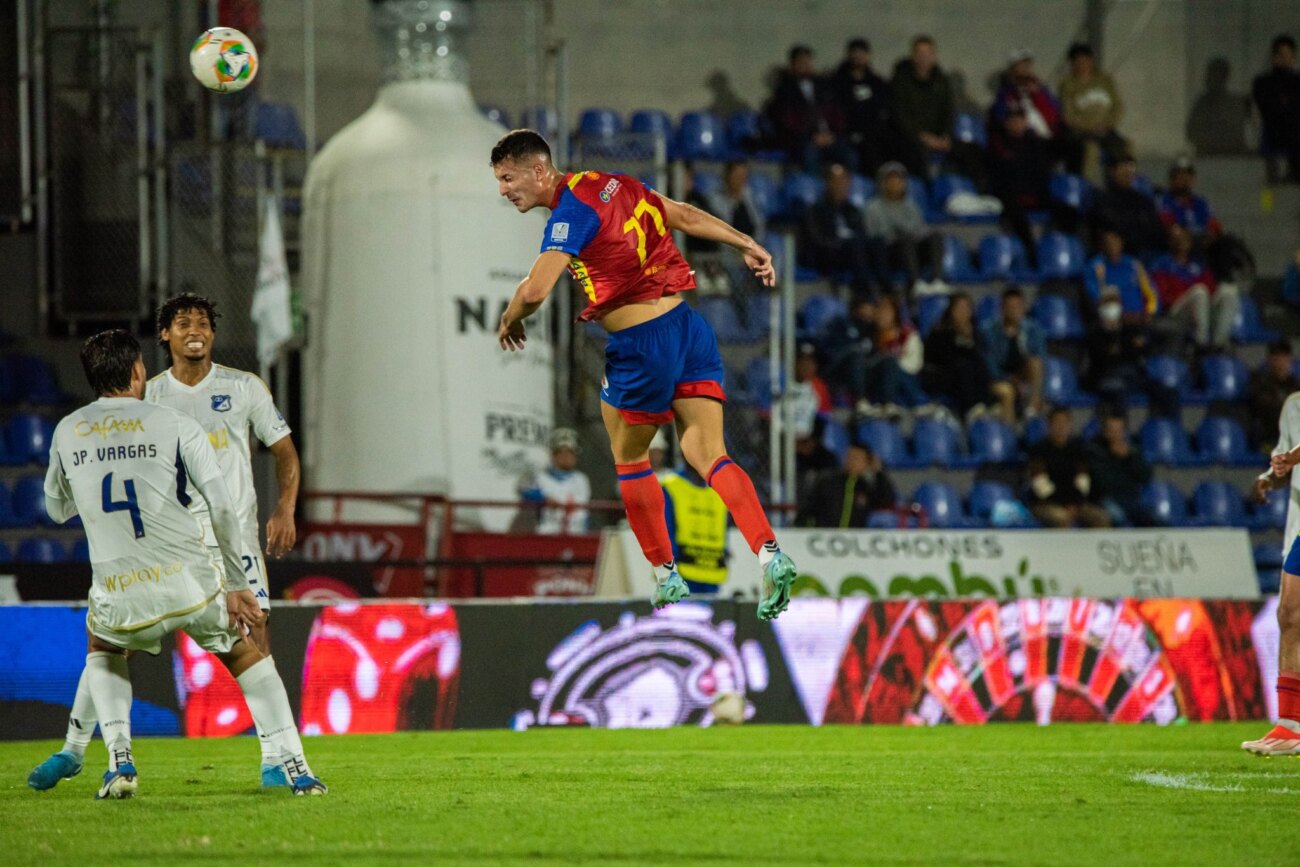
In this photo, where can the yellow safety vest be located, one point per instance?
(700, 530)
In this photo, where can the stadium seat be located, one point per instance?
(1248, 326)
(882, 520)
(1221, 440)
(1170, 372)
(496, 114)
(835, 437)
(758, 315)
(956, 266)
(652, 121)
(1143, 185)
(886, 442)
(799, 191)
(721, 314)
(988, 307)
(6, 556)
(992, 442)
(277, 125)
(1268, 567)
(1166, 503)
(766, 193)
(1218, 504)
(706, 182)
(758, 381)
(541, 119)
(985, 494)
(944, 186)
(938, 443)
(1002, 257)
(29, 502)
(80, 551)
(1165, 442)
(969, 128)
(1060, 256)
(700, 136)
(929, 310)
(28, 437)
(1271, 514)
(599, 124)
(39, 549)
(1061, 386)
(744, 131)
(818, 312)
(7, 516)
(1035, 430)
(37, 381)
(1058, 317)
(1225, 378)
(1071, 190)
(860, 189)
(941, 504)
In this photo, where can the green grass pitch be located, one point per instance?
(1000, 794)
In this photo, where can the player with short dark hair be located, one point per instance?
(662, 363)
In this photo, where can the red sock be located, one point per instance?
(1288, 696)
(644, 501)
(737, 492)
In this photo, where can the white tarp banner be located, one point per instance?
(1206, 563)
(272, 312)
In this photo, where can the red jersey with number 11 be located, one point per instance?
(614, 228)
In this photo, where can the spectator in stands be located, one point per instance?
(1180, 205)
(956, 367)
(1091, 105)
(734, 204)
(1112, 268)
(1021, 87)
(1203, 309)
(1268, 389)
(1217, 124)
(922, 111)
(900, 355)
(1060, 484)
(804, 115)
(1117, 352)
(1129, 211)
(1014, 347)
(844, 499)
(1118, 473)
(809, 396)
(1020, 169)
(897, 235)
(562, 491)
(706, 255)
(864, 101)
(848, 346)
(834, 236)
(1277, 98)
(811, 457)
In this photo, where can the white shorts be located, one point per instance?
(209, 626)
(254, 570)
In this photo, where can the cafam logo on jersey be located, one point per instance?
(221, 403)
(108, 426)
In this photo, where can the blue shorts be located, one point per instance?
(1291, 565)
(650, 365)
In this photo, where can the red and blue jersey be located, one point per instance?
(615, 229)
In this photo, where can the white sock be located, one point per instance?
(766, 553)
(109, 682)
(269, 705)
(81, 722)
(663, 570)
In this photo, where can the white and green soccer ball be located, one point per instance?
(224, 60)
(728, 708)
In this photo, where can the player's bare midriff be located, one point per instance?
(637, 312)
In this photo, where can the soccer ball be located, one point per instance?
(224, 60)
(728, 708)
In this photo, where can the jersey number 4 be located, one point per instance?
(633, 224)
(129, 505)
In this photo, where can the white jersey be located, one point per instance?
(563, 488)
(227, 403)
(1288, 438)
(131, 470)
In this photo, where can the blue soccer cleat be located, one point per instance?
(671, 589)
(118, 784)
(307, 785)
(275, 777)
(63, 765)
(777, 579)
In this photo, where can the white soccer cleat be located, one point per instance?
(1281, 741)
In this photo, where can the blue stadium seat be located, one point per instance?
(37, 381)
(885, 441)
(860, 189)
(988, 307)
(29, 437)
(700, 136)
(29, 502)
(599, 124)
(542, 120)
(929, 310)
(1035, 430)
(1071, 190)
(721, 314)
(8, 457)
(882, 520)
(1002, 257)
(1271, 515)
(944, 186)
(1165, 442)
(652, 121)
(1221, 440)
(758, 381)
(835, 437)
(80, 551)
(969, 128)
(758, 315)
(1248, 326)
(766, 193)
(985, 494)
(7, 516)
(818, 312)
(938, 443)
(941, 504)
(799, 191)
(496, 114)
(39, 549)
(1268, 566)
(1061, 386)
(1170, 372)
(706, 182)
(277, 125)
(1143, 185)
(956, 266)
(1225, 377)
(992, 442)
(1060, 256)
(744, 130)
(6, 556)
(1218, 504)
(918, 192)
(1058, 317)
(1166, 503)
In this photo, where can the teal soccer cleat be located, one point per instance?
(275, 777)
(671, 589)
(777, 579)
(63, 765)
(119, 784)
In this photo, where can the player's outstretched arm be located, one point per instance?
(701, 224)
(532, 293)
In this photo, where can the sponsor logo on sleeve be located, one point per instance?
(560, 233)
